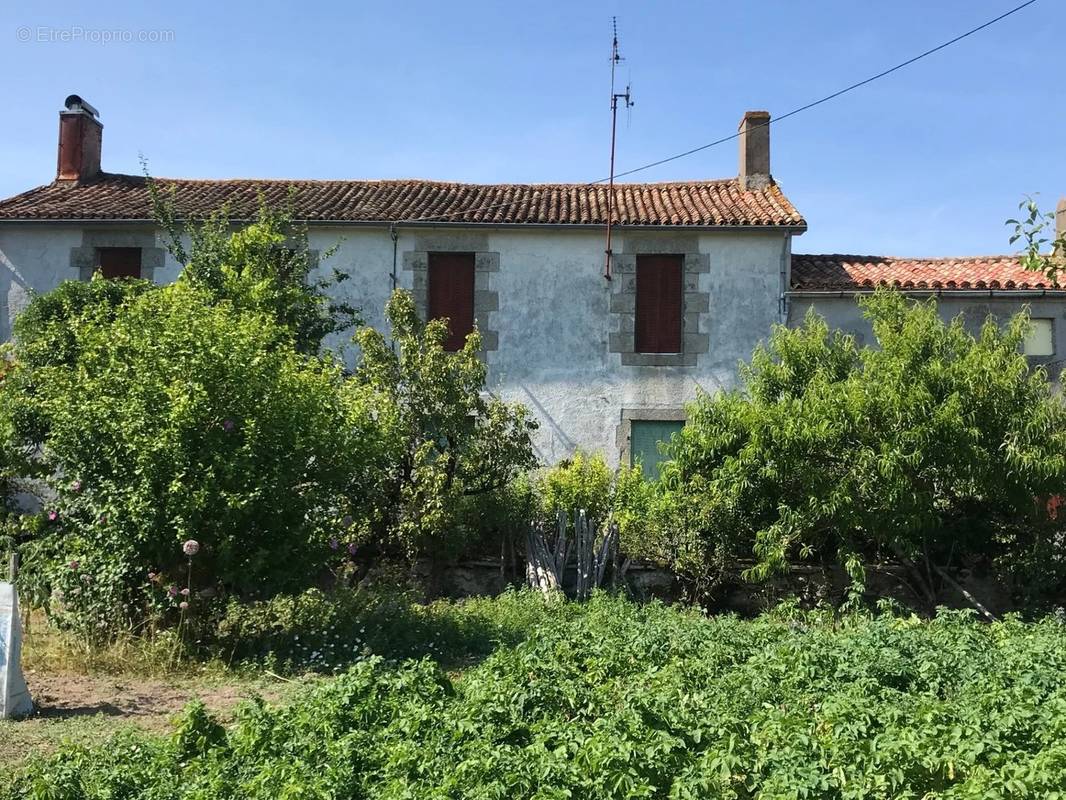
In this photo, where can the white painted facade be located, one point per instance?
(553, 319)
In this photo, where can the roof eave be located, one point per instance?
(793, 228)
(829, 294)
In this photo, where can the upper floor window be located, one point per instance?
(659, 304)
(119, 262)
(451, 295)
(1040, 341)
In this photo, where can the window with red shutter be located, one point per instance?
(119, 262)
(660, 297)
(451, 294)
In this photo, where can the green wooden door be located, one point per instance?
(645, 435)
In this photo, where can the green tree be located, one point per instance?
(266, 266)
(1044, 245)
(447, 438)
(931, 448)
(177, 416)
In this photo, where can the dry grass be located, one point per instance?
(83, 695)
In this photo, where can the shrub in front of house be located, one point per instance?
(934, 449)
(448, 443)
(622, 496)
(174, 418)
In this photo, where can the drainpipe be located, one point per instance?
(782, 303)
(395, 237)
(392, 278)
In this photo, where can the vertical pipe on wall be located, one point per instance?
(786, 253)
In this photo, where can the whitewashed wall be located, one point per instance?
(553, 317)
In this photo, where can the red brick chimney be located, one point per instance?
(755, 150)
(80, 133)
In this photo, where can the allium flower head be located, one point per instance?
(351, 548)
(53, 516)
(191, 548)
(185, 592)
(172, 591)
(183, 605)
(73, 564)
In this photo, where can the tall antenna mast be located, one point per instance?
(615, 97)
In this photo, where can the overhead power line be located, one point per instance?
(828, 97)
(784, 116)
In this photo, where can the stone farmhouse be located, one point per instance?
(699, 272)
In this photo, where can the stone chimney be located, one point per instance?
(80, 133)
(755, 150)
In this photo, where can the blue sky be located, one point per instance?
(929, 161)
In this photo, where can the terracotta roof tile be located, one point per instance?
(703, 203)
(850, 273)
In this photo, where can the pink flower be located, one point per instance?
(53, 516)
(191, 548)
(185, 592)
(351, 549)
(152, 576)
(73, 564)
(172, 591)
(183, 605)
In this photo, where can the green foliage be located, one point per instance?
(178, 417)
(1035, 229)
(446, 439)
(928, 449)
(612, 700)
(328, 631)
(581, 482)
(47, 330)
(265, 266)
(622, 496)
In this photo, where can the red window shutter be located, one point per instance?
(451, 294)
(120, 262)
(660, 297)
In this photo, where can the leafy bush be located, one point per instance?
(446, 438)
(614, 700)
(927, 449)
(182, 419)
(623, 496)
(265, 267)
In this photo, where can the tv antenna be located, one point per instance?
(628, 103)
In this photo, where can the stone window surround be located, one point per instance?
(624, 431)
(624, 299)
(85, 261)
(486, 262)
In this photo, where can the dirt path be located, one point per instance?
(87, 709)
